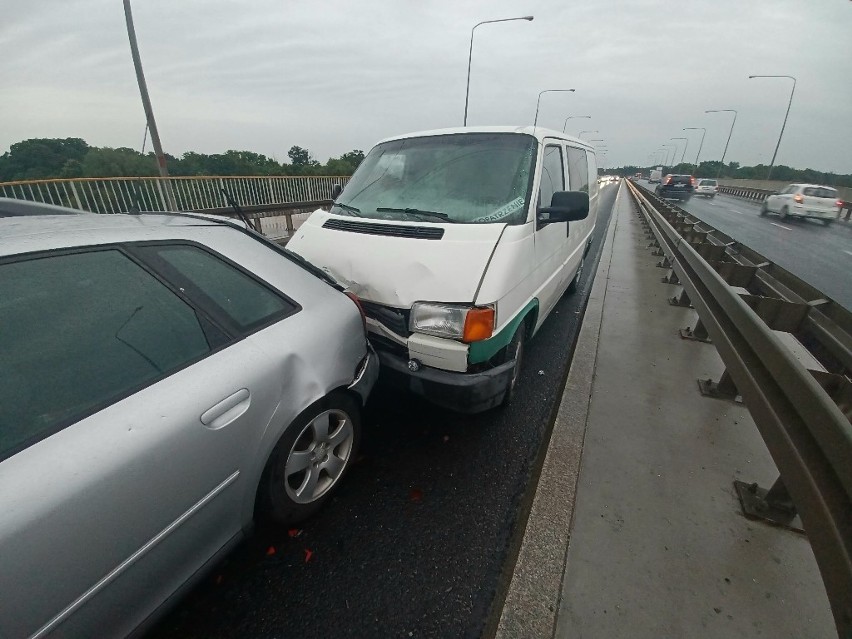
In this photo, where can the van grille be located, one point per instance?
(393, 318)
(393, 230)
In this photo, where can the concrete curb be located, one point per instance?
(532, 601)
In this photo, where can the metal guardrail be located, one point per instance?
(756, 195)
(745, 307)
(200, 194)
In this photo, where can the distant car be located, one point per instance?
(706, 188)
(676, 187)
(164, 379)
(805, 201)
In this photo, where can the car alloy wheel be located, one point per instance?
(319, 456)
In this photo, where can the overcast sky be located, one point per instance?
(263, 75)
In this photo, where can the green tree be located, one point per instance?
(40, 158)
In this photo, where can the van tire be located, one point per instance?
(515, 351)
(785, 213)
(764, 209)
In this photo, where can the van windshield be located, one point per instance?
(476, 178)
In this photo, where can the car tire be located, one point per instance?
(299, 478)
(827, 222)
(712, 196)
(785, 213)
(764, 209)
(515, 352)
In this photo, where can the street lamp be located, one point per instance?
(470, 55)
(149, 110)
(700, 146)
(667, 152)
(729, 134)
(541, 93)
(685, 144)
(572, 117)
(789, 104)
(580, 134)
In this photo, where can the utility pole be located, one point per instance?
(149, 111)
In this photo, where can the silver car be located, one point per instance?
(165, 379)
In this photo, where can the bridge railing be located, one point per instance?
(198, 193)
(748, 193)
(787, 350)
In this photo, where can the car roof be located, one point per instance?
(46, 231)
(818, 186)
(538, 132)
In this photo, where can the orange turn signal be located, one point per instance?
(478, 324)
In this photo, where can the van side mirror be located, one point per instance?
(336, 190)
(565, 206)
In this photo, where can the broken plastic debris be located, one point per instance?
(308, 555)
(415, 495)
(541, 372)
(294, 532)
(270, 551)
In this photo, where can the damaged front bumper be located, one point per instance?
(461, 392)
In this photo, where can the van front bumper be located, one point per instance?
(461, 392)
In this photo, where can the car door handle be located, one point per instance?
(227, 410)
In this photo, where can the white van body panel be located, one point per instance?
(398, 271)
(516, 268)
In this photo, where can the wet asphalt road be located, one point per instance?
(415, 542)
(820, 255)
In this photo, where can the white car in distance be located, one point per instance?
(804, 201)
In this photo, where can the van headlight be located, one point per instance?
(465, 323)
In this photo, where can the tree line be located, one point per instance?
(735, 171)
(46, 158)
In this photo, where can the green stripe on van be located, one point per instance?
(488, 348)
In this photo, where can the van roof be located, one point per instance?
(537, 132)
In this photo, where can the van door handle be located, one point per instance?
(227, 410)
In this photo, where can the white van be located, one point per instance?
(459, 242)
(656, 175)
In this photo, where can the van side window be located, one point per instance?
(578, 170)
(552, 175)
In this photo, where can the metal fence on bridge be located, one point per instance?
(126, 194)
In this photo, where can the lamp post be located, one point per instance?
(667, 152)
(701, 145)
(580, 134)
(149, 111)
(722, 164)
(573, 117)
(541, 93)
(470, 54)
(789, 104)
(685, 144)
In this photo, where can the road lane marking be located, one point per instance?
(736, 211)
(847, 252)
(786, 228)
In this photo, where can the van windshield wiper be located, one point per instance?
(346, 207)
(441, 216)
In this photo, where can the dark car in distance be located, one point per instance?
(676, 187)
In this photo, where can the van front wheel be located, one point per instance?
(515, 351)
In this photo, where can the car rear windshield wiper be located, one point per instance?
(441, 216)
(346, 207)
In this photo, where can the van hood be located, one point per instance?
(398, 271)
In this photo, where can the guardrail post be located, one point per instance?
(291, 229)
(774, 505)
(699, 333)
(671, 278)
(665, 262)
(725, 388)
